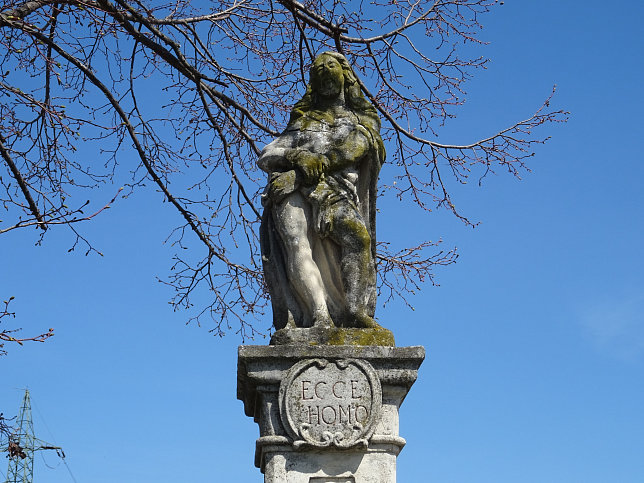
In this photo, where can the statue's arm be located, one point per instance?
(274, 157)
(280, 155)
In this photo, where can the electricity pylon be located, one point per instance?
(22, 445)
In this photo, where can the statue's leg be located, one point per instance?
(293, 221)
(356, 265)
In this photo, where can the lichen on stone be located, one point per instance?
(334, 336)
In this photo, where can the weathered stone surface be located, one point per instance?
(334, 336)
(331, 467)
(326, 393)
(330, 403)
(318, 232)
(278, 387)
(332, 479)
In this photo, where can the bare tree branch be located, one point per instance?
(6, 336)
(182, 96)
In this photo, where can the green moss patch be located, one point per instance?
(316, 336)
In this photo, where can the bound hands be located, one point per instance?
(312, 165)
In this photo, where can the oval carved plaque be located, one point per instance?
(330, 403)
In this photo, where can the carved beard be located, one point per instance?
(329, 86)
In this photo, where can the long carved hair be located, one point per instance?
(353, 97)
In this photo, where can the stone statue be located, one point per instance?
(318, 233)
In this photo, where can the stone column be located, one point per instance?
(326, 414)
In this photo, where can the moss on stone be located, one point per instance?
(335, 336)
(361, 337)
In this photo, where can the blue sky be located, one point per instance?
(535, 338)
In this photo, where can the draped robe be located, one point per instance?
(354, 186)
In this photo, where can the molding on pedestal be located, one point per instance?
(326, 410)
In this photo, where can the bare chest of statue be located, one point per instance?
(320, 135)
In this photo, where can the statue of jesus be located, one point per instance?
(319, 224)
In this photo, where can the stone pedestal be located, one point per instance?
(326, 414)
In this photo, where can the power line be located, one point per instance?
(53, 438)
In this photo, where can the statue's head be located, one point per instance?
(330, 72)
(332, 76)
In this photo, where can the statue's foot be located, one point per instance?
(322, 320)
(363, 321)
